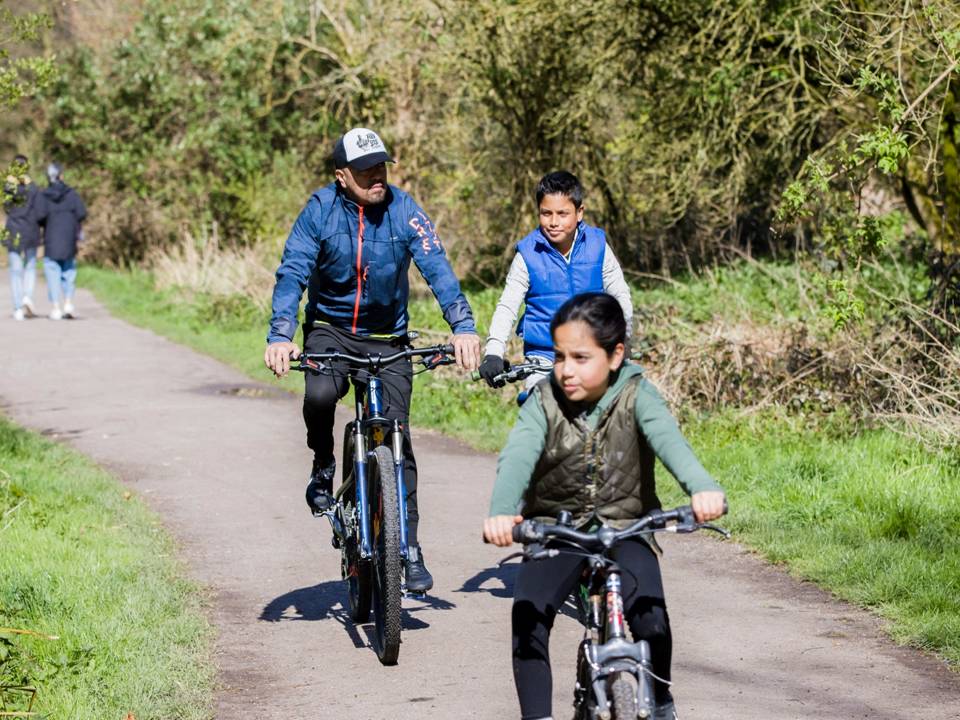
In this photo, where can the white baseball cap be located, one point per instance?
(361, 149)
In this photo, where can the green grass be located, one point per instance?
(872, 516)
(86, 566)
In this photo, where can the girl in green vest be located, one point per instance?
(586, 441)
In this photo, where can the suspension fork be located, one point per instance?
(615, 621)
(360, 487)
(397, 438)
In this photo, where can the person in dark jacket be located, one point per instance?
(351, 248)
(62, 230)
(26, 210)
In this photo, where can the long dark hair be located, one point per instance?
(602, 314)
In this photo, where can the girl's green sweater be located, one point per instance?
(525, 443)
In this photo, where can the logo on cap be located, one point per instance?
(368, 142)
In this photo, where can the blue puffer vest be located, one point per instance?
(553, 281)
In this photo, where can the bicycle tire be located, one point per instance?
(623, 696)
(387, 588)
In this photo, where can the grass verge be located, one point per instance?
(94, 611)
(872, 516)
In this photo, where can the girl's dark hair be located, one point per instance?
(561, 183)
(602, 314)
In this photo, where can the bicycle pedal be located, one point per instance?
(414, 595)
(335, 541)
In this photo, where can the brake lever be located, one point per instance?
(716, 529)
(509, 557)
(314, 366)
(438, 359)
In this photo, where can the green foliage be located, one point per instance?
(22, 75)
(885, 147)
(106, 623)
(842, 306)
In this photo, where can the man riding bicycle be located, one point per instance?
(351, 248)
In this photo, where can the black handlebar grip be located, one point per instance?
(521, 532)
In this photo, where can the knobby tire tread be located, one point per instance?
(623, 694)
(387, 585)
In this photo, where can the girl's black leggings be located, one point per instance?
(541, 588)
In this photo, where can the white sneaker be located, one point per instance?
(55, 314)
(28, 307)
(18, 314)
(68, 310)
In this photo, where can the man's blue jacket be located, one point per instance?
(354, 262)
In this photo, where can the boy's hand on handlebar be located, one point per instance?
(498, 529)
(492, 366)
(278, 355)
(466, 347)
(708, 505)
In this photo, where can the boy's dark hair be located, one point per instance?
(561, 183)
(601, 312)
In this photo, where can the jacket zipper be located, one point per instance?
(356, 304)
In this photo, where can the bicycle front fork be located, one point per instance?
(398, 464)
(363, 491)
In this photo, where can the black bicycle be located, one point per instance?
(369, 517)
(614, 676)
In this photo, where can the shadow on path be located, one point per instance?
(504, 575)
(499, 580)
(329, 601)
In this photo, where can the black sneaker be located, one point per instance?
(320, 488)
(419, 579)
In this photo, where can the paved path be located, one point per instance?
(226, 471)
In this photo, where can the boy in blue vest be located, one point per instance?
(561, 258)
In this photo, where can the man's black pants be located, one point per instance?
(322, 392)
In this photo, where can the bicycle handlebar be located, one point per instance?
(434, 355)
(513, 373)
(531, 531)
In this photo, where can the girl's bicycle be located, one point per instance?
(614, 676)
(369, 517)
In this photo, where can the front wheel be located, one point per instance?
(623, 696)
(385, 522)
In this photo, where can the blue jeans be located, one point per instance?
(61, 278)
(23, 274)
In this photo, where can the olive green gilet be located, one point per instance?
(604, 474)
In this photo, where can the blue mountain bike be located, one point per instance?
(369, 517)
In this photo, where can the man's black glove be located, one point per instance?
(492, 366)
